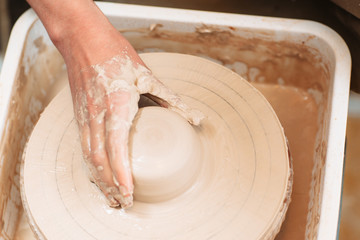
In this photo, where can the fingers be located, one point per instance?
(105, 116)
(104, 142)
(92, 131)
(98, 170)
(119, 116)
(158, 92)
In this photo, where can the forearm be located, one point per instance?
(57, 16)
(77, 28)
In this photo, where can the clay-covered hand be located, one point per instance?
(106, 77)
(105, 102)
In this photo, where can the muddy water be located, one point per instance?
(350, 213)
(298, 114)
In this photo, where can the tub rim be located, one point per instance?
(339, 96)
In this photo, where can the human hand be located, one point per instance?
(106, 78)
(105, 103)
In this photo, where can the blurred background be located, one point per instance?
(341, 15)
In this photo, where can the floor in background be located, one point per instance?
(1, 61)
(350, 213)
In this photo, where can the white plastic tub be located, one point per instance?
(297, 54)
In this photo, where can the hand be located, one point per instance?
(106, 77)
(105, 102)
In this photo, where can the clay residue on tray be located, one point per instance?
(33, 88)
(297, 64)
(40, 44)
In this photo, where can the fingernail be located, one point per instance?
(112, 202)
(127, 202)
(125, 197)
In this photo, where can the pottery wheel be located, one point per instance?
(234, 184)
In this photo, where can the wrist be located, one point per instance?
(80, 23)
(86, 37)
